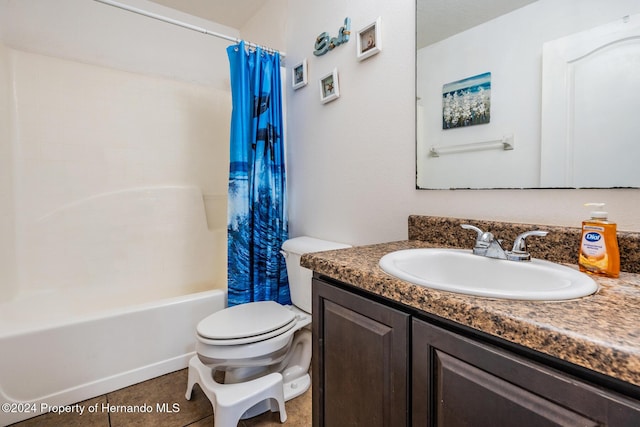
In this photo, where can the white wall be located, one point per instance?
(352, 161)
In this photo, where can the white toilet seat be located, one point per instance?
(218, 344)
(249, 339)
(246, 323)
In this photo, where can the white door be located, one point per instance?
(591, 108)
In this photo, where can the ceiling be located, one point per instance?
(436, 19)
(232, 13)
(439, 19)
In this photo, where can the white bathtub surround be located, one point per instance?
(109, 171)
(7, 212)
(136, 239)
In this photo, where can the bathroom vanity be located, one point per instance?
(390, 353)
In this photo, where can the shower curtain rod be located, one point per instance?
(184, 24)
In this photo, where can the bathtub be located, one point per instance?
(110, 289)
(57, 350)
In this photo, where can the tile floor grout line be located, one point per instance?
(197, 421)
(106, 397)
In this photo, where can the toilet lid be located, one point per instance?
(245, 321)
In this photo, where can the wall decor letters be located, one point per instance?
(325, 43)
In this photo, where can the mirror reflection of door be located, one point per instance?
(590, 123)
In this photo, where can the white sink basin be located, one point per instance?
(460, 271)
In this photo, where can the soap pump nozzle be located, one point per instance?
(598, 213)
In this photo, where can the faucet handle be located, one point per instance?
(474, 228)
(484, 237)
(483, 241)
(519, 251)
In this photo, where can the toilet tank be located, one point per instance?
(300, 277)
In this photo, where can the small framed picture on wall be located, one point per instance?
(329, 87)
(369, 40)
(299, 75)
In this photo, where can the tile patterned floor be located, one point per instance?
(167, 389)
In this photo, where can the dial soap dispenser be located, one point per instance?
(599, 253)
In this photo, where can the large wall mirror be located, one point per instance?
(528, 94)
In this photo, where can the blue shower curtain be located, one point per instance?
(257, 211)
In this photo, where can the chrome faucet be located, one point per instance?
(487, 245)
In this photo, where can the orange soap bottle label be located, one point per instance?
(593, 242)
(599, 252)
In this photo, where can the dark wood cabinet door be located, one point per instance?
(462, 382)
(360, 360)
(467, 396)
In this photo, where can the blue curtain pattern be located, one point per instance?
(257, 204)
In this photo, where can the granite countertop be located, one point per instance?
(600, 332)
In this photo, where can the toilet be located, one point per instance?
(255, 339)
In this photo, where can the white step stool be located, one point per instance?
(230, 401)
